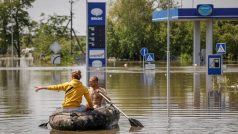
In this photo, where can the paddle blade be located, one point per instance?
(135, 123)
(44, 125)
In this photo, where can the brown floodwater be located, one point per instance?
(193, 107)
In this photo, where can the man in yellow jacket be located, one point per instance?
(74, 90)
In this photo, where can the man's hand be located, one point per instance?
(103, 95)
(98, 91)
(90, 108)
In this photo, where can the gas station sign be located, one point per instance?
(96, 41)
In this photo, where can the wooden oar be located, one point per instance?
(44, 125)
(133, 122)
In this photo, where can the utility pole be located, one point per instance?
(71, 26)
(12, 30)
(168, 56)
(72, 30)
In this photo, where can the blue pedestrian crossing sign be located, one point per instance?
(143, 51)
(221, 48)
(150, 57)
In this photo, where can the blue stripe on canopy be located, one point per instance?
(192, 14)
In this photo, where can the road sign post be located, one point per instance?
(221, 49)
(143, 52)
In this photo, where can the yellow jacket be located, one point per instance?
(74, 90)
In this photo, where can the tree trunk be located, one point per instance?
(17, 36)
(4, 38)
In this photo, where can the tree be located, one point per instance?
(129, 28)
(13, 13)
(51, 29)
(163, 4)
(226, 32)
(21, 20)
(4, 34)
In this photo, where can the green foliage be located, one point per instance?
(48, 31)
(181, 38)
(51, 29)
(129, 28)
(4, 35)
(226, 32)
(163, 4)
(13, 13)
(184, 57)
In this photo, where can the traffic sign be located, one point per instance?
(55, 47)
(55, 58)
(149, 66)
(150, 57)
(143, 51)
(214, 64)
(221, 48)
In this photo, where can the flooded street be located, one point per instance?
(142, 95)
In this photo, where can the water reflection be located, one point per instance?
(149, 77)
(14, 85)
(209, 83)
(56, 77)
(196, 89)
(215, 92)
(109, 131)
(135, 129)
(215, 99)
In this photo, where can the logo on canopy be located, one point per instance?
(205, 9)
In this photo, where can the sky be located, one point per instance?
(62, 7)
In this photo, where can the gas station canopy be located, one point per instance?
(202, 12)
